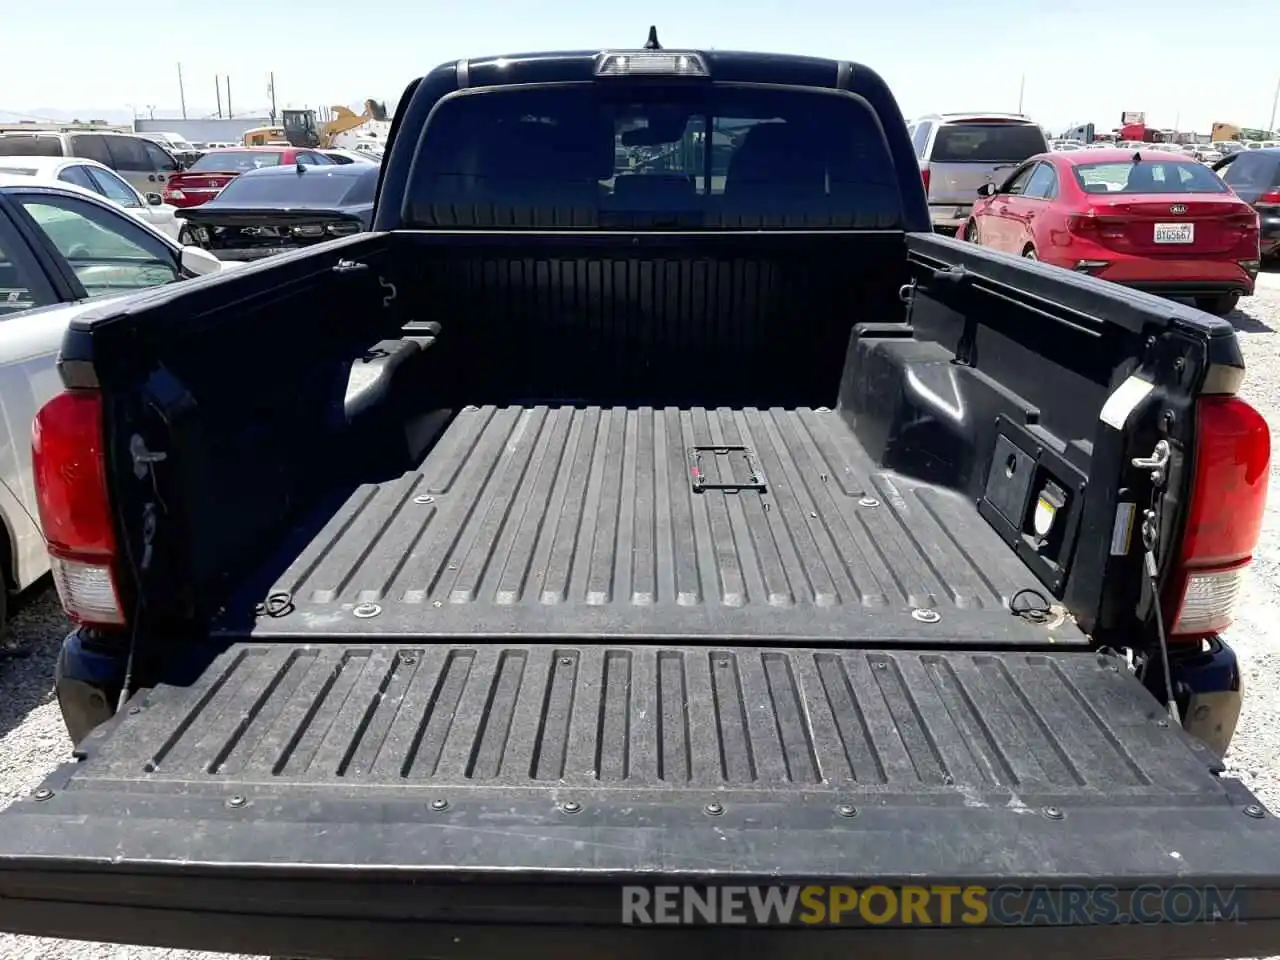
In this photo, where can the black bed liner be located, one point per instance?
(584, 521)
(358, 800)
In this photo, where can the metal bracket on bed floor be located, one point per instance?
(755, 477)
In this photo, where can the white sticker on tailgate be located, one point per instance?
(1175, 233)
(1125, 399)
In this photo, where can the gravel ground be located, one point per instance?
(32, 739)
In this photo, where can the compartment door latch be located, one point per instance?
(1157, 463)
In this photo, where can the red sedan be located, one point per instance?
(1151, 220)
(204, 179)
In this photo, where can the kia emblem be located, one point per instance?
(1178, 208)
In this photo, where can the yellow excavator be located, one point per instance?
(299, 127)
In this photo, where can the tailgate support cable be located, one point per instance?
(1158, 464)
(144, 462)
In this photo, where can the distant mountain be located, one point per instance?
(117, 115)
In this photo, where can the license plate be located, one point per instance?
(1175, 232)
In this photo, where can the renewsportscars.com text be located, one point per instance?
(816, 905)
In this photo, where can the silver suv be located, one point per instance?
(959, 152)
(144, 163)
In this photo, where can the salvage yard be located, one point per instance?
(32, 739)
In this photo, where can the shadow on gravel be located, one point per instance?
(28, 649)
(1247, 324)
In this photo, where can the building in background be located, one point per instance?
(211, 130)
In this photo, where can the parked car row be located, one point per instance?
(1152, 216)
(141, 161)
(64, 250)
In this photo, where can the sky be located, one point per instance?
(1184, 62)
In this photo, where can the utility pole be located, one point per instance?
(1275, 101)
(217, 86)
(182, 94)
(1022, 88)
(271, 89)
(229, 113)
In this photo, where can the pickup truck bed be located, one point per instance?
(582, 522)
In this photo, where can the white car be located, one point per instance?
(341, 156)
(63, 250)
(102, 180)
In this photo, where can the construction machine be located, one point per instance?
(301, 129)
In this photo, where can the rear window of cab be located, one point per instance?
(641, 156)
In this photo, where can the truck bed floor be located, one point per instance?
(569, 521)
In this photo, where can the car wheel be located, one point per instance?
(971, 233)
(185, 237)
(1219, 305)
(1030, 253)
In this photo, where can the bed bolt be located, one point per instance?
(441, 804)
(868, 502)
(366, 610)
(236, 802)
(1255, 811)
(1052, 813)
(1180, 364)
(408, 659)
(424, 499)
(847, 810)
(134, 711)
(1162, 723)
(812, 515)
(925, 615)
(44, 793)
(566, 661)
(571, 806)
(713, 809)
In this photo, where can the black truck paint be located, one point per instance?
(496, 568)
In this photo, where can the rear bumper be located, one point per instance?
(949, 218)
(1189, 288)
(1269, 235)
(574, 909)
(471, 801)
(1173, 278)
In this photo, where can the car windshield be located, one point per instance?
(1148, 176)
(986, 143)
(236, 161)
(650, 156)
(315, 186)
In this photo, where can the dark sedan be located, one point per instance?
(1254, 175)
(275, 209)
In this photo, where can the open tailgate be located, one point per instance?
(466, 801)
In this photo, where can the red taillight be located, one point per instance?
(75, 513)
(924, 177)
(1224, 518)
(1271, 196)
(1099, 228)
